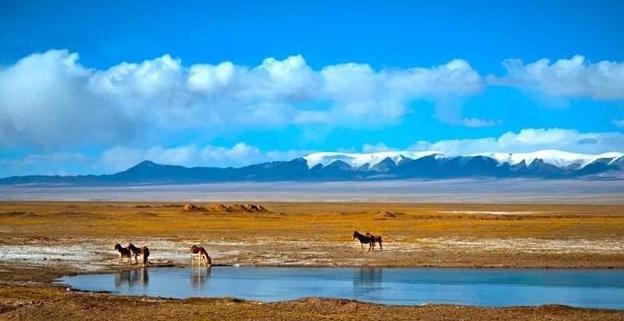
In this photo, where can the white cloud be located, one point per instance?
(46, 102)
(373, 148)
(51, 100)
(529, 140)
(568, 78)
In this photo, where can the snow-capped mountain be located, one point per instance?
(357, 160)
(545, 164)
(557, 158)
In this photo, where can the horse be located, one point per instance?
(123, 252)
(369, 239)
(376, 239)
(198, 253)
(143, 251)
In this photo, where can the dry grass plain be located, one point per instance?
(41, 240)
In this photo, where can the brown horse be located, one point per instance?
(369, 239)
(201, 255)
(376, 239)
(143, 251)
(123, 252)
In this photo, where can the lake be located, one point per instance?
(397, 286)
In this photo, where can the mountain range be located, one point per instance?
(325, 166)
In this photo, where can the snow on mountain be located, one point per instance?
(357, 160)
(556, 158)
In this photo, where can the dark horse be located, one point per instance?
(143, 251)
(123, 252)
(369, 239)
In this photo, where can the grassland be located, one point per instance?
(41, 240)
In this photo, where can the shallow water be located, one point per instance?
(406, 286)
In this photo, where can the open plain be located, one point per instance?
(40, 241)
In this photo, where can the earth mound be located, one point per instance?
(247, 208)
(188, 207)
(387, 215)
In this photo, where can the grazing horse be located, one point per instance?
(123, 252)
(198, 253)
(143, 251)
(369, 239)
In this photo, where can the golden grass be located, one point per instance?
(330, 221)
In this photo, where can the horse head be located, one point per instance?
(118, 246)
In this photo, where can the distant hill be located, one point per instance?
(545, 164)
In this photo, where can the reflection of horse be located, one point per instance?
(369, 239)
(132, 278)
(198, 253)
(367, 280)
(199, 275)
(144, 252)
(123, 252)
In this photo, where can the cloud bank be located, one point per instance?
(529, 140)
(51, 100)
(568, 78)
(59, 116)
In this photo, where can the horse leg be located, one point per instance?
(380, 246)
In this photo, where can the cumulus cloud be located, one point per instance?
(529, 140)
(46, 101)
(568, 78)
(43, 93)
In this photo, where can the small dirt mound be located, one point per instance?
(382, 215)
(188, 207)
(19, 214)
(147, 214)
(219, 208)
(247, 208)
(171, 205)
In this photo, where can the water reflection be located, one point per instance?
(138, 277)
(199, 275)
(366, 280)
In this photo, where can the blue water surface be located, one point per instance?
(399, 286)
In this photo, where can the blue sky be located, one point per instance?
(92, 87)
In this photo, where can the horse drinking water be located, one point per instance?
(200, 254)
